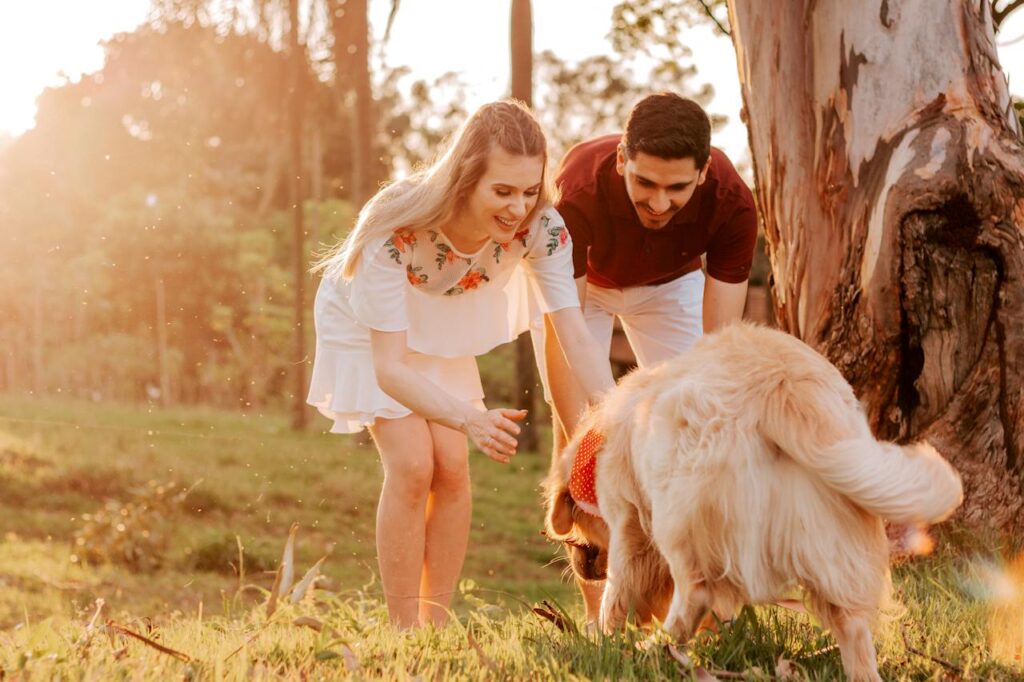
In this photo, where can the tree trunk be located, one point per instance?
(521, 43)
(350, 26)
(161, 340)
(890, 178)
(38, 380)
(296, 114)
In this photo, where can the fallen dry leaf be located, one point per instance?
(548, 612)
(678, 655)
(288, 561)
(784, 669)
(95, 616)
(274, 590)
(702, 675)
(307, 580)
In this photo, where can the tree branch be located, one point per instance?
(998, 15)
(723, 29)
(391, 19)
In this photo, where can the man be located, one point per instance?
(642, 209)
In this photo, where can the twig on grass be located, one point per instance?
(945, 664)
(702, 674)
(484, 658)
(250, 640)
(117, 627)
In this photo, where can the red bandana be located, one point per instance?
(582, 480)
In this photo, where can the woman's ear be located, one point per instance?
(559, 519)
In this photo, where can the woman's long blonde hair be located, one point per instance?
(433, 196)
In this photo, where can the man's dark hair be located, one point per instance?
(670, 127)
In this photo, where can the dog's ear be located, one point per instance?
(559, 521)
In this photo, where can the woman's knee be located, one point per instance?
(406, 451)
(451, 468)
(410, 474)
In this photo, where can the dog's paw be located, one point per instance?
(909, 540)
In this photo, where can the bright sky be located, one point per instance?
(41, 39)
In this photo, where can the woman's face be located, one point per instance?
(504, 196)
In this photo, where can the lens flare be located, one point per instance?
(1001, 586)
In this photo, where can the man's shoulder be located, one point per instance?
(728, 182)
(581, 167)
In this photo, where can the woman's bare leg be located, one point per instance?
(448, 517)
(406, 450)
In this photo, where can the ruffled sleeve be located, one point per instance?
(548, 264)
(377, 292)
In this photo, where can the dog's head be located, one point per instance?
(584, 536)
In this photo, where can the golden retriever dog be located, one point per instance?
(734, 473)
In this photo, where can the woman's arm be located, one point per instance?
(492, 431)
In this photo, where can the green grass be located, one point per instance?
(67, 467)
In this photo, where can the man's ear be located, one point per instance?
(704, 171)
(620, 160)
(559, 519)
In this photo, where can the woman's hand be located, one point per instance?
(494, 432)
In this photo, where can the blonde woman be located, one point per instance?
(435, 273)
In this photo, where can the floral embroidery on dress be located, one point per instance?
(399, 240)
(445, 256)
(557, 235)
(413, 275)
(500, 247)
(471, 280)
(520, 236)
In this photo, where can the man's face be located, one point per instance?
(659, 187)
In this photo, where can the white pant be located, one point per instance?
(660, 321)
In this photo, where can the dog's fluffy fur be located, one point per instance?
(734, 473)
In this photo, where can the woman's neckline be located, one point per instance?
(459, 252)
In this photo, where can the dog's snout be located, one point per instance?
(588, 562)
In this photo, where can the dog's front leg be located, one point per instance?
(691, 598)
(852, 630)
(625, 542)
(592, 592)
(690, 603)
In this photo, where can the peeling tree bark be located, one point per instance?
(890, 177)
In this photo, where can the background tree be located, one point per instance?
(350, 27)
(521, 52)
(890, 178)
(297, 63)
(593, 96)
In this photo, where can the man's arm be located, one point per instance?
(568, 397)
(723, 303)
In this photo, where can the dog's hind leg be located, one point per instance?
(852, 630)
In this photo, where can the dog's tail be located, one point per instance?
(813, 423)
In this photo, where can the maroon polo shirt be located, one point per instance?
(614, 250)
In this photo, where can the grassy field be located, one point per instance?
(93, 503)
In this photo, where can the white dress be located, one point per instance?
(452, 305)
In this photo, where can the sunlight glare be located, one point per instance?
(45, 42)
